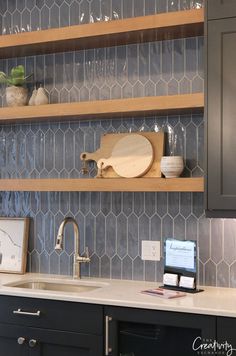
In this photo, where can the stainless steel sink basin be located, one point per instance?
(58, 286)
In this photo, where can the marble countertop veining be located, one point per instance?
(213, 301)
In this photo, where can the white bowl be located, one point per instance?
(172, 166)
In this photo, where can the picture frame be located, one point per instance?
(14, 234)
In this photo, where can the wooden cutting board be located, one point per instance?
(108, 142)
(131, 157)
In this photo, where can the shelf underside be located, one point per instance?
(105, 185)
(163, 26)
(105, 108)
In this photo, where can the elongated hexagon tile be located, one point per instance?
(223, 274)
(210, 273)
(122, 243)
(204, 239)
(179, 227)
(35, 261)
(105, 202)
(105, 267)
(150, 7)
(216, 240)
(44, 261)
(127, 268)
(150, 270)
(167, 227)
(138, 269)
(156, 225)
(173, 204)
(229, 241)
(111, 230)
(191, 228)
(133, 236)
(116, 200)
(116, 267)
(100, 229)
(49, 233)
(94, 266)
(233, 275)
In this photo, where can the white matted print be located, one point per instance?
(13, 244)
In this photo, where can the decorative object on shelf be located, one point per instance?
(128, 155)
(32, 98)
(13, 244)
(172, 166)
(41, 97)
(16, 92)
(84, 169)
(131, 157)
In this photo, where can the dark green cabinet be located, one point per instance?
(36, 327)
(220, 9)
(221, 118)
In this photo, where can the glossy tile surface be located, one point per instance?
(112, 225)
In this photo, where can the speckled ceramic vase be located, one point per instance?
(172, 166)
(16, 96)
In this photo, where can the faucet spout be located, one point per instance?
(77, 258)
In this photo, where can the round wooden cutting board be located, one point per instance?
(131, 156)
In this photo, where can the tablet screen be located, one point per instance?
(180, 255)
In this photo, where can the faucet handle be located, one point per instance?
(85, 258)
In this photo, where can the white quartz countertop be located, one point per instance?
(213, 301)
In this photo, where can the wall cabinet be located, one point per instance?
(51, 328)
(146, 332)
(220, 8)
(220, 112)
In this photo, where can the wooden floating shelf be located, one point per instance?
(104, 185)
(105, 108)
(112, 33)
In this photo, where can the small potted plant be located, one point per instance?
(16, 91)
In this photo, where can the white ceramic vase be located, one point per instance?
(16, 96)
(172, 166)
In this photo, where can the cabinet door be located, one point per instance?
(26, 341)
(60, 343)
(9, 336)
(219, 9)
(226, 332)
(133, 332)
(221, 117)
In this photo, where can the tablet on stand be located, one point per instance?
(180, 266)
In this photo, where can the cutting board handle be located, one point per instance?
(104, 163)
(87, 156)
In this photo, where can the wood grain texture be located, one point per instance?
(112, 33)
(109, 140)
(131, 156)
(105, 185)
(105, 108)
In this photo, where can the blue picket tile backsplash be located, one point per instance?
(112, 225)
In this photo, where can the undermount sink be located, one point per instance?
(58, 286)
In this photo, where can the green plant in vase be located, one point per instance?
(16, 91)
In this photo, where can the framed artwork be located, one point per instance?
(13, 244)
